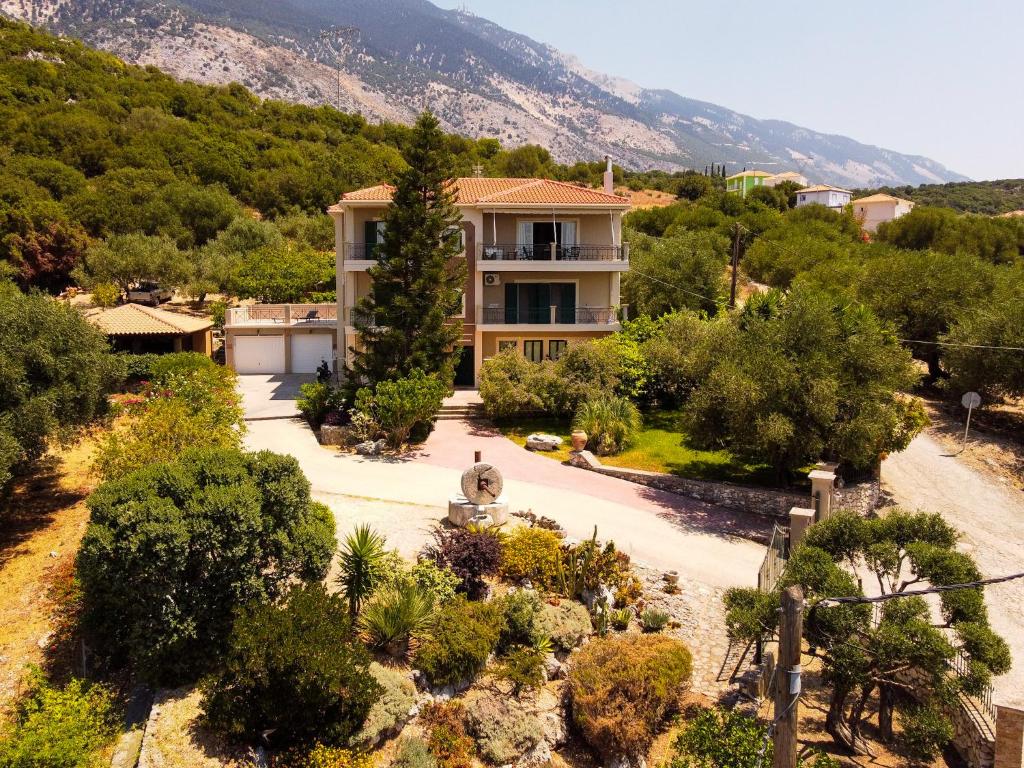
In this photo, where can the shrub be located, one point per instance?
(318, 399)
(523, 667)
(622, 687)
(464, 636)
(321, 756)
(503, 727)
(509, 386)
(721, 738)
(413, 752)
(392, 616)
(611, 423)
(106, 295)
(58, 727)
(533, 554)
(653, 620)
(399, 406)
(391, 709)
(295, 670)
(620, 618)
(218, 312)
(437, 582)
(470, 553)
(520, 610)
(587, 567)
(360, 561)
(446, 734)
(566, 624)
(173, 550)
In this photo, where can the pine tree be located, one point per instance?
(418, 279)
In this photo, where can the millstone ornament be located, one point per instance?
(481, 484)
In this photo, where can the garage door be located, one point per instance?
(259, 354)
(308, 350)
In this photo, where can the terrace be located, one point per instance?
(281, 315)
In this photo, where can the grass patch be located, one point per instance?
(661, 446)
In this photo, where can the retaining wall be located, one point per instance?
(861, 498)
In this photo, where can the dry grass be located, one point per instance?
(174, 738)
(44, 520)
(647, 198)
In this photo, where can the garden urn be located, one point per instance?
(579, 439)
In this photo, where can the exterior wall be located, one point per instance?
(488, 340)
(593, 289)
(591, 229)
(873, 214)
(202, 342)
(827, 198)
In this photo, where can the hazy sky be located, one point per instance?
(941, 78)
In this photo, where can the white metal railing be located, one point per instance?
(281, 314)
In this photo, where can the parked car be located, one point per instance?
(149, 293)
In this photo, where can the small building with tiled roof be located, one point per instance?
(139, 329)
(835, 198)
(878, 208)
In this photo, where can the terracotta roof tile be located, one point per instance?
(482, 191)
(137, 320)
(881, 197)
(824, 188)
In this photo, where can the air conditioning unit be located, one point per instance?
(492, 278)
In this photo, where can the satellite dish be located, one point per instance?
(970, 400)
(481, 484)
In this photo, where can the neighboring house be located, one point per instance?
(741, 183)
(778, 178)
(823, 194)
(544, 259)
(875, 209)
(138, 329)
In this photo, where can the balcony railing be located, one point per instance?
(282, 314)
(550, 316)
(355, 315)
(553, 252)
(360, 251)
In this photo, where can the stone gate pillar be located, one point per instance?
(1009, 737)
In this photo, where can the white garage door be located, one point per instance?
(259, 354)
(308, 350)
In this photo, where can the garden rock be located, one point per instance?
(553, 667)
(626, 762)
(551, 711)
(390, 712)
(371, 447)
(505, 730)
(567, 624)
(594, 597)
(333, 435)
(543, 442)
(537, 757)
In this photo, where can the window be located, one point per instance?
(534, 351)
(373, 235)
(504, 344)
(459, 234)
(556, 348)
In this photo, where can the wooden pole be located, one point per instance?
(735, 264)
(787, 678)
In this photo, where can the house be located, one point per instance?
(544, 259)
(823, 194)
(741, 183)
(778, 178)
(874, 209)
(139, 329)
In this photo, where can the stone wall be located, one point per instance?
(860, 498)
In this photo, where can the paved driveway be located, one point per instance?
(405, 497)
(271, 396)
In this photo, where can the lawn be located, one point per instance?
(661, 446)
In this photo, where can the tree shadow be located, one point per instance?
(694, 516)
(32, 503)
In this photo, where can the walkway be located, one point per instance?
(405, 497)
(990, 517)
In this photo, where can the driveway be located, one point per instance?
(405, 497)
(990, 517)
(271, 396)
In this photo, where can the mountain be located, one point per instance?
(388, 59)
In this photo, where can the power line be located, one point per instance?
(700, 296)
(825, 601)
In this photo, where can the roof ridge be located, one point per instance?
(588, 189)
(151, 312)
(529, 184)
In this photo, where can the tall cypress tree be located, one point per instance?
(418, 278)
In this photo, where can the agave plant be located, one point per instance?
(620, 618)
(393, 615)
(653, 620)
(361, 555)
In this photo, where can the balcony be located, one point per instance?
(553, 252)
(603, 316)
(281, 315)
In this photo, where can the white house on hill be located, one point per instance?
(875, 209)
(823, 194)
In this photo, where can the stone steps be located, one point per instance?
(460, 412)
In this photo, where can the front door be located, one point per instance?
(464, 368)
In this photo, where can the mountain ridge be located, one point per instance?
(396, 57)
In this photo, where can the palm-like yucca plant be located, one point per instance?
(392, 616)
(361, 556)
(610, 422)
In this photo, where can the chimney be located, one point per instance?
(609, 178)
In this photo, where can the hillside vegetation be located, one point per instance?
(988, 197)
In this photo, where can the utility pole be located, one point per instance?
(338, 34)
(787, 678)
(735, 263)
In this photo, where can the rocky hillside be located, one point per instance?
(390, 58)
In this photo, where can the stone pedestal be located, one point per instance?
(822, 485)
(800, 519)
(462, 512)
(1009, 737)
